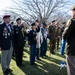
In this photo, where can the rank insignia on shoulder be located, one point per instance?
(6, 35)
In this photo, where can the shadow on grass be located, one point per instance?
(11, 74)
(27, 51)
(63, 56)
(51, 59)
(43, 69)
(0, 58)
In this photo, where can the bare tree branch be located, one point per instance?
(41, 9)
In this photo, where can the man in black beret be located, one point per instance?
(32, 43)
(6, 16)
(6, 44)
(52, 34)
(19, 42)
(18, 19)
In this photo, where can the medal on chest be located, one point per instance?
(16, 30)
(34, 32)
(8, 34)
(5, 32)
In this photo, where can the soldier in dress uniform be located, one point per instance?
(6, 44)
(52, 34)
(58, 35)
(32, 43)
(19, 42)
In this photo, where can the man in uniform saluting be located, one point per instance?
(19, 42)
(6, 44)
(32, 43)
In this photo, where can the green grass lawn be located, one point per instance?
(48, 66)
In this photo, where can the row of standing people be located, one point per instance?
(55, 31)
(13, 38)
(38, 39)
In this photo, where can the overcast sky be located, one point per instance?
(5, 3)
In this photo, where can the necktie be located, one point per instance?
(9, 28)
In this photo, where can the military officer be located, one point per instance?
(19, 42)
(6, 44)
(52, 34)
(32, 43)
(58, 35)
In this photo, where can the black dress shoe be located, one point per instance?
(20, 65)
(5, 72)
(39, 59)
(33, 64)
(42, 56)
(53, 52)
(9, 70)
(45, 55)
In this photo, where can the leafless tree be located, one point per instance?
(37, 9)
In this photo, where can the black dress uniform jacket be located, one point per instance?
(19, 39)
(69, 35)
(6, 37)
(52, 32)
(32, 37)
